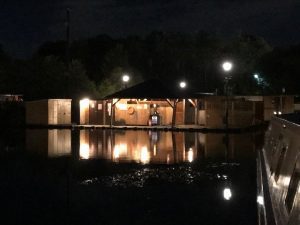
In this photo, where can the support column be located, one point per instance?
(174, 112)
(196, 111)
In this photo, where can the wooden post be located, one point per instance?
(111, 113)
(112, 110)
(104, 111)
(183, 110)
(196, 111)
(174, 112)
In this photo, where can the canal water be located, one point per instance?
(127, 177)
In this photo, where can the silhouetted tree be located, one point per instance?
(280, 68)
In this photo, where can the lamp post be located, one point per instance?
(125, 79)
(227, 67)
(260, 82)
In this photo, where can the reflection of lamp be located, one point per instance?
(116, 152)
(260, 200)
(84, 151)
(227, 194)
(190, 155)
(145, 156)
(119, 150)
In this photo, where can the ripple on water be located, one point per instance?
(167, 175)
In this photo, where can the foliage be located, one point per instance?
(5, 70)
(49, 77)
(97, 65)
(246, 50)
(281, 69)
(113, 82)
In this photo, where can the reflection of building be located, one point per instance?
(132, 146)
(163, 147)
(51, 143)
(143, 147)
(236, 146)
(95, 144)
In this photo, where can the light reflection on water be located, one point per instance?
(143, 147)
(176, 150)
(52, 143)
(86, 176)
(148, 176)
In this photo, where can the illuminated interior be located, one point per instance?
(84, 110)
(84, 103)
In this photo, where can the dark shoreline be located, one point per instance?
(183, 128)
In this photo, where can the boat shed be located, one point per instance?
(147, 103)
(48, 112)
(153, 103)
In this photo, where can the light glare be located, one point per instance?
(84, 103)
(125, 78)
(145, 155)
(260, 200)
(182, 84)
(227, 194)
(227, 66)
(121, 106)
(190, 155)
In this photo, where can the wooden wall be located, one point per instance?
(48, 112)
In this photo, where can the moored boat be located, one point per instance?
(279, 172)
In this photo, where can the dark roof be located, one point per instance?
(150, 89)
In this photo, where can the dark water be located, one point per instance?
(127, 177)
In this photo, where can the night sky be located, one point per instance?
(25, 24)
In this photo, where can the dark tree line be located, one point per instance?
(97, 64)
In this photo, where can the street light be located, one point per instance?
(182, 84)
(125, 79)
(227, 67)
(260, 82)
(259, 79)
